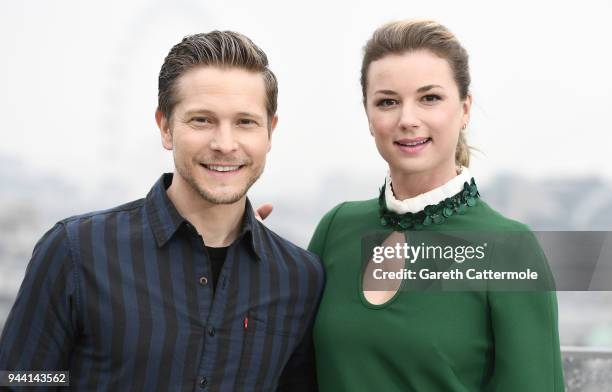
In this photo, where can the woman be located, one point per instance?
(415, 84)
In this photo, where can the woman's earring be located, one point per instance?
(463, 127)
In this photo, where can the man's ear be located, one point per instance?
(164, 127)
(273, 124)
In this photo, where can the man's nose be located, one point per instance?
(224, 139)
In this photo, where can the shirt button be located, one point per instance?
(203, 382)
(211, 331)
(203, 280)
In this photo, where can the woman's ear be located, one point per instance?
(466, 107)
(365, 109)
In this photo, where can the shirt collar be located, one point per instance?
(252, 228)
(165, 220)
(434, 196)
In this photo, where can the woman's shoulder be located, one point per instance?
(350, 213)
(350, 210)
(345, 217)
(488, 218)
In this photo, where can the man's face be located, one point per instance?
(219, 131)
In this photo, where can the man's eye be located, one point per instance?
(201, 120)
(386, 102)
(246, 121)
(431, 98)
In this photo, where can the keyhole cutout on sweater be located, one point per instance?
(381, 291)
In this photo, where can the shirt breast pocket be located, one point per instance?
(268, 342)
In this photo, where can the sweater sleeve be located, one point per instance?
(525, 329)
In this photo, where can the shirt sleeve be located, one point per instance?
(526, 333)
(40, 329)
(299, 374)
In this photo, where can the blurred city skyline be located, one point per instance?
(80, 85)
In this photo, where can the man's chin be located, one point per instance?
(225, 200)
(221, 197)
(214, 193)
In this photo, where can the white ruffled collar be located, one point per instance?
(434, 196)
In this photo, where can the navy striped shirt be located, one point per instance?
(123, 299)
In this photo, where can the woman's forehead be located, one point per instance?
(410, 70)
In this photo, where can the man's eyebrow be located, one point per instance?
(194, 112)
(249, 114)
(197, 111)
(427, 88)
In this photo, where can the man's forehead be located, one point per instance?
(212, 79)
(214, 85)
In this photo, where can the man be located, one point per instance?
(183, 289)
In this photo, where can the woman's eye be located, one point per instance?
(431, 98)
(386, 102)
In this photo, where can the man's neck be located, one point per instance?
(218, 224)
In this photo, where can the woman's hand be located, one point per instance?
(263, 211)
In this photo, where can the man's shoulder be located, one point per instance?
(286, 251)
(76, 220)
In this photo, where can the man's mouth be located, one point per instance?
(222, 168)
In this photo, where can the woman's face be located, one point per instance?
(415, 113)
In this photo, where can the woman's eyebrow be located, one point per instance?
(427, 88)
(388, 92)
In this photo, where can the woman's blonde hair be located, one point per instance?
(410, 35)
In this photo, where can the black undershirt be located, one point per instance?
(217, 258)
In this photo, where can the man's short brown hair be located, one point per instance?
(220, 49)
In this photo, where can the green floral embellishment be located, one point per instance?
(431, 214)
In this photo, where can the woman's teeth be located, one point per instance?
(412, 144)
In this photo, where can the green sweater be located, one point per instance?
(428, 341)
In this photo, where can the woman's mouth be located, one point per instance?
(412, 145)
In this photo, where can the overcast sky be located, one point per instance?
(79, 85)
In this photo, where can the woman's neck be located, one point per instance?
(408, 185)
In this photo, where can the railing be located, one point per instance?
(587, 369)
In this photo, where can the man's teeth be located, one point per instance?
(415, 143)
(222, 168)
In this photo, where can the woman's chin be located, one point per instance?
(415, 167)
